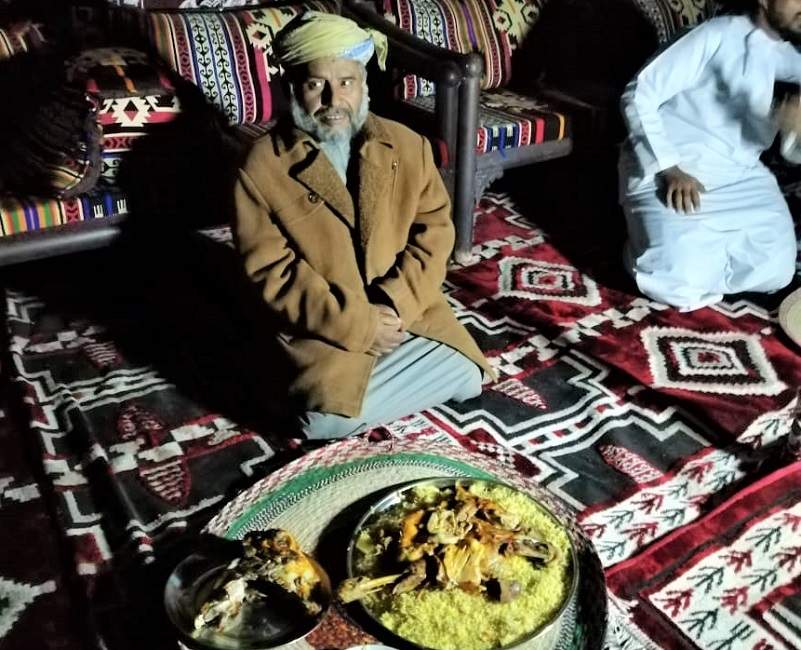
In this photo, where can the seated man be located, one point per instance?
(345, 225)
(705, 216)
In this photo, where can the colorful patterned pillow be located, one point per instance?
(55, 150)
(117, 72)
(227, 54)
(133, 93)
(185, 4)
(671, 16)
(494, 28)
(20, 38)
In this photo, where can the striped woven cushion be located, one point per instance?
(21, 38)
(185, 4)
(494, 28)
(226, 54)
(507, 120)
(671, 16)
(18, 215)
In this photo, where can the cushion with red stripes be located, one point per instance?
(507, 120)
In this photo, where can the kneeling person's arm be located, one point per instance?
(788, 119)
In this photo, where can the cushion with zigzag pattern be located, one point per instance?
(493, 28)
(227, 54)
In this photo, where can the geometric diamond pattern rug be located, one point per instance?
(726, 363)
(35, 607)
(662, 430)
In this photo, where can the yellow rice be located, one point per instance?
(457, 620)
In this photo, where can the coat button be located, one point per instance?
(394, 164)
(313, 198)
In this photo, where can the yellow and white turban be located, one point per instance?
(316, 35)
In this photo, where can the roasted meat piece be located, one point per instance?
(270, 560)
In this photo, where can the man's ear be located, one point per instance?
(291, 78)
(287, 84)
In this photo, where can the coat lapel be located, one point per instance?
(314, 170)
(322, 179)
(376, 170)
(377, 162)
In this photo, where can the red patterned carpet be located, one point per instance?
(662, 430)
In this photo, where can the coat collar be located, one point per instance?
(308, 165)
(311, 167)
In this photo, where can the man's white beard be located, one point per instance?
(323, 133)
(334, 142)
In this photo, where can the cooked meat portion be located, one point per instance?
(270, 560)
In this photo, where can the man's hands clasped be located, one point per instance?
(390, 332)
(682, 191)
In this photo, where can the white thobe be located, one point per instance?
(704, 104)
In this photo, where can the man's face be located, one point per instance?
(331, 94)
(784, 16)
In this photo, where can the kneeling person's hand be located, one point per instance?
(788, 115)
(682, 191)
(390, 332)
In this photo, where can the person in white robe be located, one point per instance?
(705, 217)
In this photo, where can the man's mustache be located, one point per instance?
(333, 113)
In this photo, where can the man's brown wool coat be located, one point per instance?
(318, 255)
